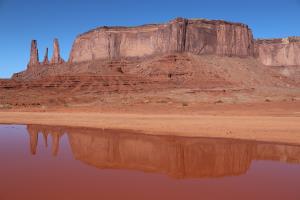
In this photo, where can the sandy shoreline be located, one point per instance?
(261, 128)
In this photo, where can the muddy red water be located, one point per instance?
(44, 162)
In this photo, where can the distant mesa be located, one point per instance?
(279, 52)
(193, 36)
(197, 36)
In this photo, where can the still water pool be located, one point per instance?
(49, 162)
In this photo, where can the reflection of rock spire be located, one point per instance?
(33, 134)
(55, 133)
(45, 136)
(55, 143)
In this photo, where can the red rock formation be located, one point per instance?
(56, 59)
(279, 52)
(46, 60)
(218, 37)
(130, 51)
(180, 35)
(34, 55)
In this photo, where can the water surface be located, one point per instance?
(47, 162)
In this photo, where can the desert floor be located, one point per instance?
(269, 121)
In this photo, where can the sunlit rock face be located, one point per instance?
(34, 55)
(279, 52)
(197, 36)
(56, 59)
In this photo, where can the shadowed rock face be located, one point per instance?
(180, 35)
(179, 157)
(279, 52)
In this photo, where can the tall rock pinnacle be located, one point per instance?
(46, 60)
(34, 54)
(56, 59)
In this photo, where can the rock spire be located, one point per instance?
(56, 59)
(46, 60)
(34, 54)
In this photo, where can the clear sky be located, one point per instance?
(24, 20)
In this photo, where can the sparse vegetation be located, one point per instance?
(219, 101)
(185, 104)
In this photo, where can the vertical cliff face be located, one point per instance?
(279, 52)
(118, 42)
(219, 37)
(34, 55)
(179, 35)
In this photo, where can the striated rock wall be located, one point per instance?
(278, 52)
(180, 35)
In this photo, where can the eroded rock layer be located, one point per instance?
(180, 35)
(279, 52)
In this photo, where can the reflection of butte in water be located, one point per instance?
(55, 133)
(178, 157)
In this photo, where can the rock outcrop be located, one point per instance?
(34, 55)
(278, 52)
(56, 59)
(198, 36)
(46, 60)
(103, 50)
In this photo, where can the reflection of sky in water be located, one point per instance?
(90, 164)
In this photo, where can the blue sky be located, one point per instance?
(21, 21)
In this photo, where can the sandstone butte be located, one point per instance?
(195, 36)
(198, 54)
(185, 66)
